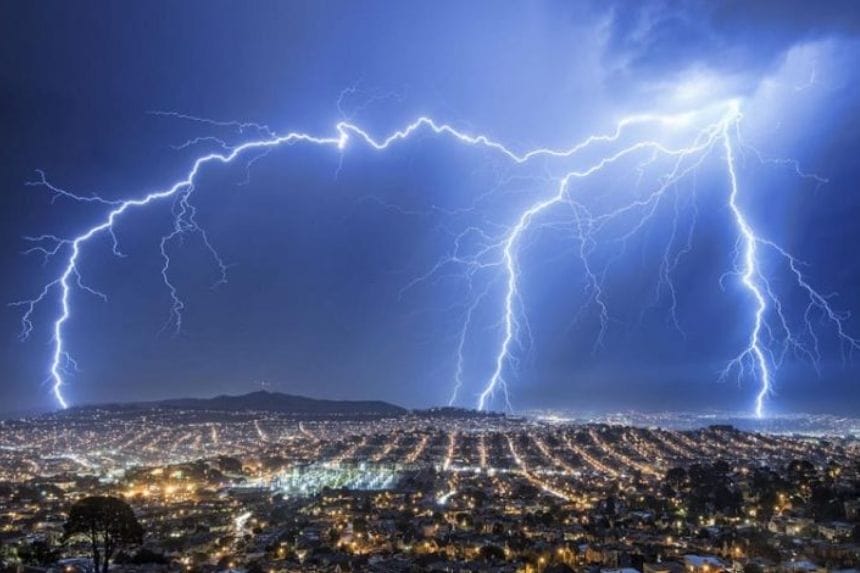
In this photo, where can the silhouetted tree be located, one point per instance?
(825, 503)
(492, 553)
(708, 488)
(801, 472)
(40, 553)
(108, 523)
(359, 525)
(676, 477)
(229, 465)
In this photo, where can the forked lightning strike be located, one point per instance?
(770, 335)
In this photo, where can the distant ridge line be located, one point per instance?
(262, 401)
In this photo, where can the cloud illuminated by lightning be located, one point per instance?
(500, 250)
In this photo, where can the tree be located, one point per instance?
(229, 465)
(108, 523)
(676, 477)
(359, 525)
(39, 553)
(492, 553)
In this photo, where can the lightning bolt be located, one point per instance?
(499, 251)
(514, 237)
(758, 357)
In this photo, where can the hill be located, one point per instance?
(262, 401)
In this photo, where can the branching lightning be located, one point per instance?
(771, 334)
(758, 356)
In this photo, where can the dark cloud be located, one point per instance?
(669, 36)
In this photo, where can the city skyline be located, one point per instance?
(210, 487)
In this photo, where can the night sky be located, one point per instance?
(320, 246)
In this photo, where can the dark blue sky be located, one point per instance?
(319, 251)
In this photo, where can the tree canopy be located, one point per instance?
(108, 523)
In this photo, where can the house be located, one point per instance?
(801, 567)
(664, 567)
(703, 564)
